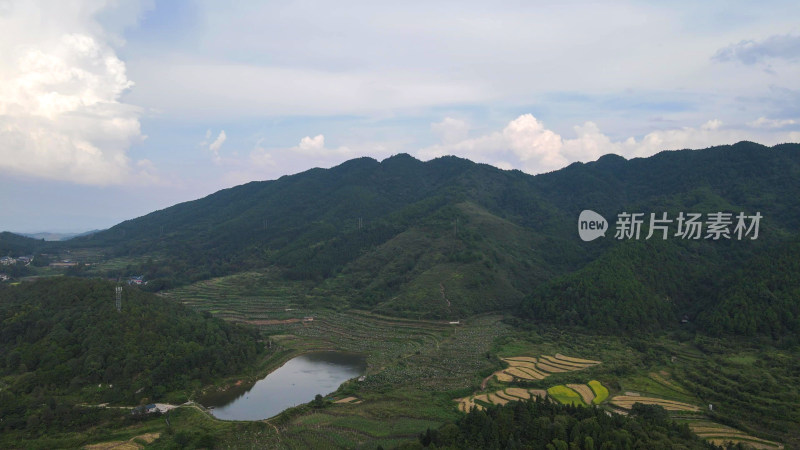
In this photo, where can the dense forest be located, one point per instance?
(15, 245)
(62, 341)
(541, 424)
(449, 238)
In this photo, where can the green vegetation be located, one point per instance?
(15, 245)
(63, 345)
(449, 238)
(565, 395)
(600, 392)
(543, 424)
(694, 321)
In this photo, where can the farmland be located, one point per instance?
(600, 392)
(417, 368)
(721, 435)
(627, 401)
(533, 368)
(501, 397)
(565, 395)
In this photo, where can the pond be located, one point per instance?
(292, 384)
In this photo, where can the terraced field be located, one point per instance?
(248, 297)
(500, 397)
(433, 353)
(533, 368)
(586, 393)
(565, 395)
(408, 361)
(600, 392)
(627, 401)
(720, 435)
(414, 364)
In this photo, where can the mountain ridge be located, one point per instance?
(391, 235)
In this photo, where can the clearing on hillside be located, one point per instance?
(627, 401)
(466, 404)
(587, 362)
(719, 434)
(131, 444)
(533, 368)
(585, 392)
(600, 392)
(565, 395)
(498, 398)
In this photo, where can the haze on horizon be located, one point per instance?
(110, 110)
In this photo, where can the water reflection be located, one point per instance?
(294, 383)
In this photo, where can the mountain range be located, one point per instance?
(448, 238)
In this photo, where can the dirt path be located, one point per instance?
(444, 297)
(486, 380)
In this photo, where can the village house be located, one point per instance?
(7, 261)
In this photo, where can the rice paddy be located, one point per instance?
(500, 397)
(600, 392)
(565, 395)
(627, 402)
(721, 435)
(414, 366)
(586, 393)
(529, 368)
(408, 361)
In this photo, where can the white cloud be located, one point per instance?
(316, 147)
(763, 122)
(450, 129)
(524, 138)
(60, 86)
(260, 156)
(217, 144)
(527, 145)
(750, 52)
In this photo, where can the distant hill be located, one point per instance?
(16, 245)
(450, 238)
(48, 236)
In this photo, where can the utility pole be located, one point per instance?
(119, 298)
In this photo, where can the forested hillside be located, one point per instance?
(544, 424)
(63, 339)
(15, 245)
(449, 238)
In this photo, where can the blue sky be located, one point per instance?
(110, 110)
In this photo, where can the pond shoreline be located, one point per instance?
(295, 382)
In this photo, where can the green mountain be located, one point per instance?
(449, 238)
(63, 342)
(15, 245)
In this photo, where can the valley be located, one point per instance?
(416, 369)
(463, 287)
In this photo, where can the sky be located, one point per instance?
(110, 109)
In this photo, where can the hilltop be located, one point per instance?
(449, 238)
